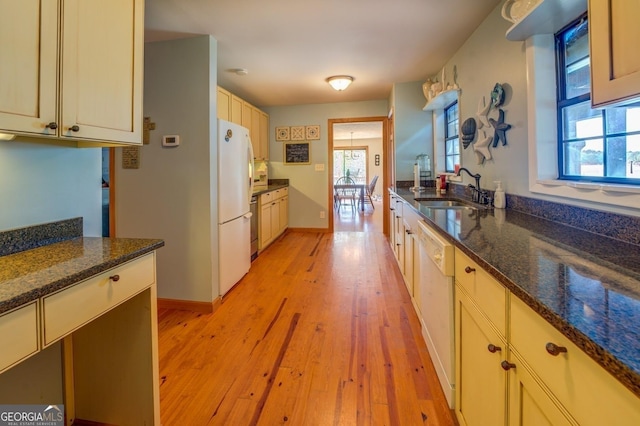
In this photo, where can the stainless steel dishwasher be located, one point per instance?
(254, 227)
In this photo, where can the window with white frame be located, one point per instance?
(451, 139)
(594, 144)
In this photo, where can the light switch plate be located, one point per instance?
(320, 167)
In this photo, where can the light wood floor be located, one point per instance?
(320, 332)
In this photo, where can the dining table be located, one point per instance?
(358, 186)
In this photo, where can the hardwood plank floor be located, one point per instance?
(320, 332)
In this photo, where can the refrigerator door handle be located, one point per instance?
(248, 215)
(251, 167)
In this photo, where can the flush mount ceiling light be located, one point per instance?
(340, 82)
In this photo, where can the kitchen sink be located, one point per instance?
(446, 204)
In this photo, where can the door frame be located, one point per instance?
(385, 169)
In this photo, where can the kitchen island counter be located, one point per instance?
(586, 285)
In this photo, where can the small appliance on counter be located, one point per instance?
(261, 174)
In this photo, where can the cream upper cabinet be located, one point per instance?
(246, 116)
(236, 109)
(224, 104)
(88, 88)
(28, 68)
(615, 64)
(264, 136)
(102, 72)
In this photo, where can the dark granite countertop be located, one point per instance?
(271, 187)
(31, 274)
(585, 285)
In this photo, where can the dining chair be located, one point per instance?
(345, 195)
(369, 189)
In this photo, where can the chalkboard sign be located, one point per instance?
(297, 153)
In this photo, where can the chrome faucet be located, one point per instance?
(478, 196)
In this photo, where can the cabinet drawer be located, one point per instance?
(282, 192)
(487, 293)
(587, 391)
(69, 309)
(18, 334)
(266, 198)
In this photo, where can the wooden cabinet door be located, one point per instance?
(224, 104)
(266, 233)
(614, 36)
(481, 383)
(102, 60)
(28, 65)
(264, 135)
(408, 259)
(283, 210)
(392, 222)
(236, 109)
(246, 116)
(529, 404)
(275, 218)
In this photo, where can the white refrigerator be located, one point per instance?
(235, 187)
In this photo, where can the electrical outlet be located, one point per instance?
(321, 214)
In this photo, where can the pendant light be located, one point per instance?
(352, 155)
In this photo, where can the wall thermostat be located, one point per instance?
(171, 140)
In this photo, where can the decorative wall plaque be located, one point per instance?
(297, 133)
(282, 133)
(312, 132)
(131, 157)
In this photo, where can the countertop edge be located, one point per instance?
(269, 188)
(618, 369)
(74, 278)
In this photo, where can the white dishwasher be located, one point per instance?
(436, 304)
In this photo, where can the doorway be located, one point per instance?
(357, 148)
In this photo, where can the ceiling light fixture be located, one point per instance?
(340, 82)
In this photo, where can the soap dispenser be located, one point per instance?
(499, 201)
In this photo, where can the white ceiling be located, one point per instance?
(361, 130)
(290, 47)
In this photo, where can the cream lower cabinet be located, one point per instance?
(517, 369)
(92, 346)
(481, 382)
(75, 71)
(411, 255)
(481, 345)
(398, 248)
(274, 216)
(19, 333)
(392, 221)
(584, 391)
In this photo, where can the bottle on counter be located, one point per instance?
(499, 199)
